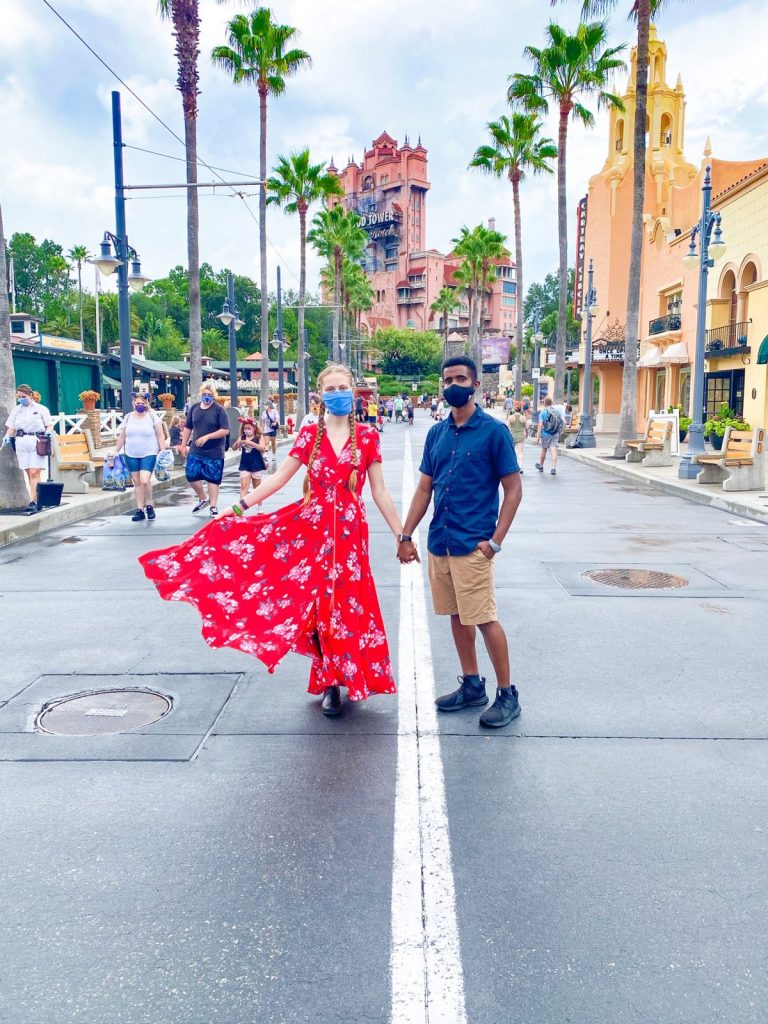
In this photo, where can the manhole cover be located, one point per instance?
(102, 712)
(636, 579)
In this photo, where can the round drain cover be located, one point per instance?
(636, 579)
(102, 712)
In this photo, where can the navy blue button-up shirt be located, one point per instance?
(466, 465)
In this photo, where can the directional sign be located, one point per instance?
(535, 373)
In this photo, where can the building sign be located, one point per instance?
(581, 234)
(381, 225)
(495, 351)
(71, 344)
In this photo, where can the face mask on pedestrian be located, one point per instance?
(206, 399)
(23, 400)
(456, 395)
(338, 403)
(140, 407)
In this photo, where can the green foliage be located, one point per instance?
(408, 353)
(527, 390)
(544, 296)
(725, 417)
(41, 273)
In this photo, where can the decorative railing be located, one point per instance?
(73, 423)
(727, 337)
(670, 322)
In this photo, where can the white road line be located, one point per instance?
(425, 959)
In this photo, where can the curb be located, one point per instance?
(698, 493)
(26, 527)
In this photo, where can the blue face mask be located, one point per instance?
(140, 407)
(24, 401)
(206, 399)
(338, 403)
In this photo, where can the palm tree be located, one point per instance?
(515, 149)
(478, 248)
(185, 16)
(296, 183)
(336, 235)
(642, 11)
(445, 303)
(257, 53)
(79, 254)
(13, 491)
(568, 68)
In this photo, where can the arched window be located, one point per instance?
(728, 291)
(620, 135)
(665, 135)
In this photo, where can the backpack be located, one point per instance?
(553, 423)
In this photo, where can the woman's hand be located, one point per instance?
(225, 512)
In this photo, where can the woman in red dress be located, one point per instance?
(298, 579)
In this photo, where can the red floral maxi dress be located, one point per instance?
(298, 579)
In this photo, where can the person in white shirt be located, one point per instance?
(142, 436)
(314, 412)
(28, 421)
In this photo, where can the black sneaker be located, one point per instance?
(468, 695)
(150, 512)
(138, 515)
(200, 504)
(504, 709)
(553, 472)
(539, 467)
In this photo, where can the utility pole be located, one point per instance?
(121, 246)
(280, 343)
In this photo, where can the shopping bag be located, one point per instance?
(163, 465)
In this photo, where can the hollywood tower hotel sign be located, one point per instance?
(388, 189)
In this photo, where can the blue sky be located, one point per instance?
(437, 68)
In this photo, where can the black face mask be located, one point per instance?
(457, 396)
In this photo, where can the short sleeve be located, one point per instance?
(223, 418)
(504, 453)
(302, 446)
(371, 446)
(12, 418)
(189, 425)
(426, 466)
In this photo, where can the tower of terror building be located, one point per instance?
(389, 190)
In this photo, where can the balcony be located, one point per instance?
(728, 340)
(662, 324)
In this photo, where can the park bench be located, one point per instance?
(655, 448)
(740, 465)
(71, 463)
(572, 429)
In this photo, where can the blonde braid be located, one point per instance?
(313, 453)
(355, 457)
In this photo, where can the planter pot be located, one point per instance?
(89, 404)
(682, 435)
(716, 440)
(167, 403)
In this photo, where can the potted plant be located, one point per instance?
(167, 399)
(89, 399)
(714, 428)
(683, 421)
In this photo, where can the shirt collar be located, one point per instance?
(473, 421)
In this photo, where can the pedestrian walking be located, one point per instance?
(270, 423)
(372, 411)
(174, 436)
(360, 411)
(251, 445)
(518, 430)
(466, 535)
(440, 412)
(399, 405)
(390, 409)
(509, 404)
(298, 579)
(206, 427)
(28, 422)
(314, 412)
(409, 412)
(548, 433)
(141, 439)
(433, 407)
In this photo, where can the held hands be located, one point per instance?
(407, 552)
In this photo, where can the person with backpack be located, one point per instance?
(270, 421)
(550, 427)
(141, 439)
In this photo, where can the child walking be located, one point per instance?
(251, 444)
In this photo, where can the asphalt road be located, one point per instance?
(602, 861)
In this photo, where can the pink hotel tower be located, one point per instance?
(389, 191)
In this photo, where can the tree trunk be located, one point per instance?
(264, 391)
(519, 290)
(302, 363)
(562, 237)
(13, 490)
(80, 294)
(193, 261)
(336, 302)
(445, 332)
(628, 415)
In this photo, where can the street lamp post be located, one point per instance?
(233, 323)
(709, 251)
(107, 263)
(305, 370)
(280, 342)
(586, 435)
(538, 337)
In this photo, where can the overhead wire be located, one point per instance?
(160, 121)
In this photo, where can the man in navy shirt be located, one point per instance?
(466, 457)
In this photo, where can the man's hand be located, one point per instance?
(183, 450)
(201, 441)
(485, 548)
(407, 552)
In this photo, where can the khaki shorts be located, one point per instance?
(463, 585)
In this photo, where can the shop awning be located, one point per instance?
(677, 353)
(651, 358)
(110, 382)
(762, 355)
